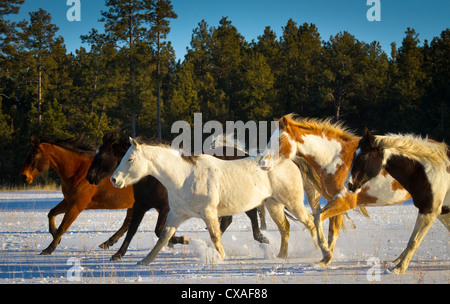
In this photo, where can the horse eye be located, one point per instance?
(130, 159)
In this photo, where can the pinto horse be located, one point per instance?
(421, 166)
(71, 158)
(207, 187)
(148, 192)
(328, 149)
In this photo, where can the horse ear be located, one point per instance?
(368, 136)
(133, 142)
(282, 122)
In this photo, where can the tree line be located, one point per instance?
(130, 78)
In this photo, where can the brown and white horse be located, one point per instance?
(421, 166)
(328, 149)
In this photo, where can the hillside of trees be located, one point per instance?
(130, 78)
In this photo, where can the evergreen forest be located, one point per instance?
(129, 78)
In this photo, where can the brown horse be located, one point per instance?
(71, 159)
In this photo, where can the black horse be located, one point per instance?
(148, 192)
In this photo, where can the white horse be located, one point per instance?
(206, 187)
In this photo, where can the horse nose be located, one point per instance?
(264, 164)
(113, 180)
(90, 177)
(350, 187)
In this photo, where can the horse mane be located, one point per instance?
(415, 147)
(228, 140)
(120, 141)
(80, 144)
(188, 158)
(326, 126)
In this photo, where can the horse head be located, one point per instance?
(35, 163)
(130, 169)
(367, 163)
(108, 157)
(280, 145)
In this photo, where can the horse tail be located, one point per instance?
(308, 173)
(289, 215)
(363, 211)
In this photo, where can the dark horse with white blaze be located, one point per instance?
(149, 192)
(421, 166)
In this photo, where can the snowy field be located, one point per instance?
(362, 254)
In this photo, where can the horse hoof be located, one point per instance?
(397, 270)
(45, 252)
(142, 263)
(116, 257)
(263, 240)
(326, 260)
(185, 240)
(104, 246)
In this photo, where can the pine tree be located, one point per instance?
(300, 61)
(435, 102)
(158, 14)
(124, 27)
(9, 49)
(408, 83)
(39, 39)
(228, 50)
(257, 80)
(343, 57)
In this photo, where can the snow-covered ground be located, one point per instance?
(362, 254)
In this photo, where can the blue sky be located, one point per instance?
(429, 18)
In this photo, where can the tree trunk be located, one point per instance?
(339, 97)
(132, 94)
(158, 103)
(40, 96)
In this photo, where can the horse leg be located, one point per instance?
(298, 209)
(445, 220)
(276, 211)
(70, 216)
(312, 195)
(257, 235)
(423, 224)
(162, 217)
(139, 210)
(212, 223)
(342, 202)
(333, 234)
(116, 236)
(262, 217)
(225, 222)
(58, 209)
(173, 221)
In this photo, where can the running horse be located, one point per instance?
(328, 150)
(420, 165)
(207, 187)
(149, 192)
(71, 158)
